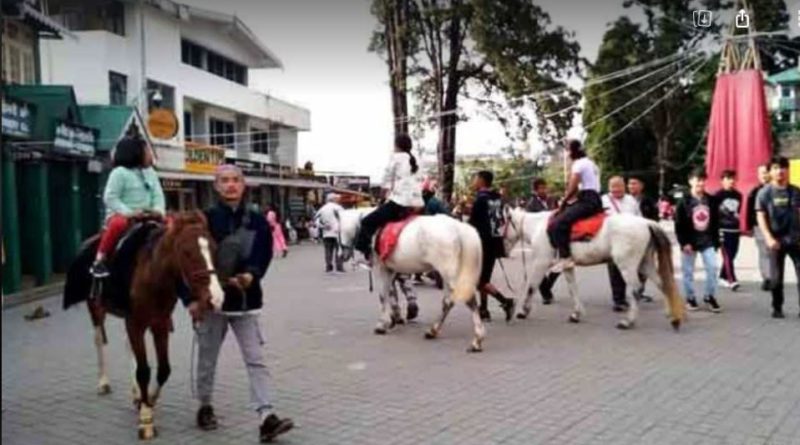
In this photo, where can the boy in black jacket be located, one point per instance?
(729, 203)
(697, 229)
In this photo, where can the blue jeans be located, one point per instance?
(687, 265)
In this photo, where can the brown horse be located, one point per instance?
(179, 254)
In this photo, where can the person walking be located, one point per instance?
(582, 200)
(433, 206)
(487, 218)
(243, 255)
(648, 209)
(751, 226)
(729, 201)
(327, 218)
(778, 213)
(617, 202)
(132, 190)
(697, 230)
(541, 201)
(278, 240)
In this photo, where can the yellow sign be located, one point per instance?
(162, 123)
(201, 158)
(794, 172)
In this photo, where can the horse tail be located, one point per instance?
(666, 272)
(469, 268)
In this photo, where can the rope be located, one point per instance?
(192, 382)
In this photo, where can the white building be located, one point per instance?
(197, 61)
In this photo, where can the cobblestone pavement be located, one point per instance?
(732, 378)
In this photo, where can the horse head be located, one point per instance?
(512, 226)
(192, 253)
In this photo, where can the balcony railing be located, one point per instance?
(789, 103)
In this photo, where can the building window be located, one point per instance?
(219, 65)
(222, 133)
(786, 91)
(167, 95)
(274, 139)
(118, 88)
(19, 65)
(90, 15)
(786, 116)
(259, 141)
(188, 128)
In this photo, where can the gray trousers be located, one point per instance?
(211, 333)
(402, 281)
(763, 254)
(332, 253)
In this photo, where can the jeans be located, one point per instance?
(211, 333)
(730, 247)
(560, 230)
(379, 217)
(777, 262)
(331, 253)
(710, 263)
(763, 254)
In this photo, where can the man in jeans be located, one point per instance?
(751, 226)
(697, 230)
(327, 218)
(729, 201)
(778, 213)
(243, 255)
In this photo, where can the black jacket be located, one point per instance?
(648, 208)
(684, 226)
(536, 204)
(486, 217)
(750, 208)
(223, 221)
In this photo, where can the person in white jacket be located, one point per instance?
(615, 202)
(403, 188)
(327, 219)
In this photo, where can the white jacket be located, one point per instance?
(628, 204)
(328, 219)
(405, 188)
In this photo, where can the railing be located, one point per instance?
(789, 103)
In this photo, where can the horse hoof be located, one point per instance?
(104, 389)
(399, 321)
(473, 349)
(147, 432)
(430, 335)
(676, 325)
(624, 325)
(380, 331)
(573, 318)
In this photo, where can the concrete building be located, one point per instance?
(195, 63)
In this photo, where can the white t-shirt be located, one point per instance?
(627, 204)
(589, 173)
(328, 218)
(405, 187)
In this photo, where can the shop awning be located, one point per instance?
(184, 176)
(113, 122)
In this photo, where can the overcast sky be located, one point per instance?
(328, 70)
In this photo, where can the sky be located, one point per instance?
(328, 70)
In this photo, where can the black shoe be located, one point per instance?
(777, 313)
(547, 299)
(485, 315)
(620, 307)
(273, 427)
(340, 269)
(508, 306)
(712, 304)
(412, 311)
(766, 285)
(328, 269)
(206, 420)
(642, 298)
(99, 269)
(691, 304)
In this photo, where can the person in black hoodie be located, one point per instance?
(729, 202)
(487, 217)
(697, 230)
(244, 251)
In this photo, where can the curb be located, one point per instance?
(35, 294)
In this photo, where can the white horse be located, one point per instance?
(427, 243)
(632, 243)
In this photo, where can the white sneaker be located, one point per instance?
(735, 286)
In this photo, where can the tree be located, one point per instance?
(497, 53)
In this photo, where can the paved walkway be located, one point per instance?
(724, 379)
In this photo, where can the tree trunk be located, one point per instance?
(396, 22)
(448, 118)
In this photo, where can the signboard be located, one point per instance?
(245, 165)
(74, 140)
(171, 184)
(794, 172)
(162, 123)
(357, 183)
(202, 158)
(17, 118)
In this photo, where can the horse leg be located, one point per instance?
(531, 286)
(385, 295)
(136, 395)
(98, 315)
(136, 338)
(578, 310)
(631, 277)
(161, 341)
(477, 324)
(447, 304)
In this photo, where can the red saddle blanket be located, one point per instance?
(388, 236)
(586, 229)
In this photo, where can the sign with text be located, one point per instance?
(17, 118)
(357, 183)
(201, 158)
(74, 140)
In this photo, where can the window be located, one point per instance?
(274, 139)
(118, 88)
(205, 59)
(19, 65)
(167, 95)
(90, 15)
(786, 91)
(259, 141)
(222, 133)
(786, 116)
(187, 125)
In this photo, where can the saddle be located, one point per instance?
(115, 289)
(387, 237)
(586, 229)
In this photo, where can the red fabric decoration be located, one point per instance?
(739, 136)
(585, 229)
(387, 239)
